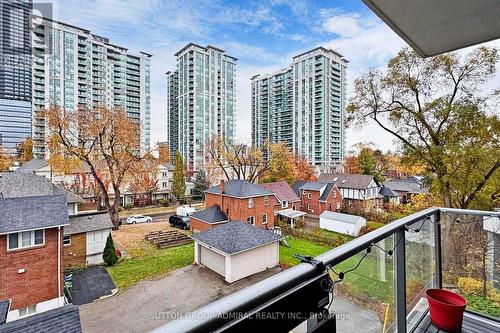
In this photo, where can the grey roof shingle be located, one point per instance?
(63, 319)
(28, 213)
(32, 165)
(240, 189)
(88, 222)
(387, 192)
(297, 185)
(313, 186)
(4, 310)
(212, 214)
(14, 185)
(342, 217)
(233, 237)
(346, 180)
(405, 185)
(327, 191)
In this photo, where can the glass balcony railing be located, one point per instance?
(374, 283)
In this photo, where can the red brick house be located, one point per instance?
(288, 203)
(31, 253)
(317, 197)
(236, 200)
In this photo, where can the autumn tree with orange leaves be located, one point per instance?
(104, 139)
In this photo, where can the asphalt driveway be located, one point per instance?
(91, 284)
(150, 304)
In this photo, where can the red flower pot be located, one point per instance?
(446, 308)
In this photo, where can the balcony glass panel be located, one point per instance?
(364, 300)
(471, 260)
(420, 269)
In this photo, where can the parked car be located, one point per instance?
(179, 221)
(139, 219)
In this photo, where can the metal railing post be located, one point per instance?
(438, 250)
(400, 269)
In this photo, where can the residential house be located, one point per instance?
(288, 205)
(359, 192)
(317, 197)
(164, 179)
(237, 200)
(389, 197)
(31, 260)
(85, 238)
(407, 188)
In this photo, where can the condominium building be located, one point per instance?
(303, 105)
(74, 68)
(200, 102)
(15, 73)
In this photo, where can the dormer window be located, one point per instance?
(250, 202)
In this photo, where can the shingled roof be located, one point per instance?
(282, 191)
(297, 185)
(29, 213)
(63, 319)
(4, 310)
(346, 180)
(32, 165)
(327, 191)
(210, 215)
(313, 186)
(234, 237)
(84, 222)
(15, 185)
(405, 185)
(240, 189)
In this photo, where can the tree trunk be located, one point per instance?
(114, 209)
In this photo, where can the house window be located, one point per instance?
(27, 311)
(251, 220)
(334, 194)
(264, 218)
(350, 203)
(67, 240)
(250, 202)
(309, 196)
(164, 174)
(266, 200)
(309, 207)
(164, 184)
(284, 204)
(338, 205)
(25, 239)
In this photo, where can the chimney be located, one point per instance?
(222, 186)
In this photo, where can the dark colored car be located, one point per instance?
(179, 221)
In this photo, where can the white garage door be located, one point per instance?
(213, 260)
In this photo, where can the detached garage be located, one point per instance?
(236, 250)
(343, 223)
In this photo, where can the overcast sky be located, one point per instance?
(263, 35)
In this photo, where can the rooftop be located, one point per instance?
(240, 189)
(19, 184)
(405, 185)
(4, 310)
(33, 165)
(234, 237)
(30, 213)
(63, 319)
(313, 186)
(348, 218)
(297, 185)
(282, 191)
(84, 222)
(346, 180)
(211, 214)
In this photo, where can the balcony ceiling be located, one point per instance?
(433, 27)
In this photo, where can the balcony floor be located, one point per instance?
(472, 324)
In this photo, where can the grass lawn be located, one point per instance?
(299, 246)
(155, 264)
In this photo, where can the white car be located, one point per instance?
(139, 219)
